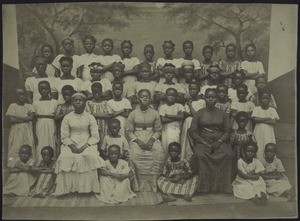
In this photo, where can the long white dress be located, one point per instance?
(78, 172)
(130, 63)
(264, 133)
(19, 134)
(32, 85)
(113, 190)
(170, 131)
(247, 189)
(186, 150)
(276, 187)
(45, 127)
(75, 58)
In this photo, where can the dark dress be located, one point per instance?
(214, 169)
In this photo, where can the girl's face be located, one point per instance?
(265, 99)
(148, 53)
(46, 155)
(126, 49)
(174, 153)
(24, 154)
(208, 53)
(144, 99)
(222, 93)
(260, 84)
(113, 154)
(242, 94)
(188, 49)
(44, 90)
(96, 91)
(47, 52)
(242, 122)
(117, 72)
(117, 90)
(238, 79)
(214, 74)
(107, 47)
(67, 94)
(194, 90)
(250, 152)
(114, 128)
(171, 96)
(230, 52)
(168, 49)
(96, 75)
(89, 45)
(270, 152)
(78, 103)
(66, 67)
(68, 45)
(210, 99)
(169, 75)
(21, 96)
(188, 73)
(40, 66)
(145, 73)
(250, 52)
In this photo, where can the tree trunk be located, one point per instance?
(239, 46)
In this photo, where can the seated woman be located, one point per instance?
(213, 157)
(143, 130)
(77, 164)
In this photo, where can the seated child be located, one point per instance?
(45, 183)
(20, 180)
(248, 183)
(277, 183)
(172, 116)
(114, 178)
(177, 177)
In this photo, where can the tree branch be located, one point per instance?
(219, 25)
(79, 24)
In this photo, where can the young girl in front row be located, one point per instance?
(277, 183)
(20, 115)
(171, 114)
(20, 180)
(248, 183)
(114, 178)
(265, 117)
(177, 177)
(45, 183)
(45, 126)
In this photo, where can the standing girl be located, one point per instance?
(20, 115)
(131, 63)
(45, 127)
(248, 183)
(187, 72)
(214, 78)
(207, 52)
(238, 79)
(223, 102)
(47, 52)
(171, 114)
(265, 117)
(107, 59)
(149, 53)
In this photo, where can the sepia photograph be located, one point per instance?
(149, 111)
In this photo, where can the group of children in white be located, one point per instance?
(110, 85)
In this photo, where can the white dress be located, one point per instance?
(118, 106)
(32, 85)
(85, 60)
(120, 141)
(108, 60)
(50, 70)
(247, 189)
(252, 67)
(19, 134)
(170, 131)
(105, 83)
(45, 127)
(130, 63)
(186, 150)
(264, 133)
(113, 190)
(78, 172)
(76, 83)
(276, 187)
(247, 107)
(75, 58)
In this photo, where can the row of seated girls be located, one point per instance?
(110, 85)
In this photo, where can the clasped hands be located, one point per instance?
(145, 146)
(213, 146)
(76, 150)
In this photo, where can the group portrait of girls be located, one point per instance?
(116, 125)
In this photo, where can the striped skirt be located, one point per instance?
(186, 188)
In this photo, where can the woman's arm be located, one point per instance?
(117, 113)
(194, 130)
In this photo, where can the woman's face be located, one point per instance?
(126, 49)
(211, 99)
(107, 47)
(78, 103)
(144, 98)
(68, 45)
(188, 49)
(168, 49)
(89, 45)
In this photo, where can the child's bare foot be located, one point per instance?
(291, 195)
(187, 198)
(263, 198)
(168, 198)
(256, 200)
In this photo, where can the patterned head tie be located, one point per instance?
(78, 95)
(188, 65)
(169, 67)
(96, 67)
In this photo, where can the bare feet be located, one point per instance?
(187, 198)
(263, 198)
(256, 200)
(168, 198)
